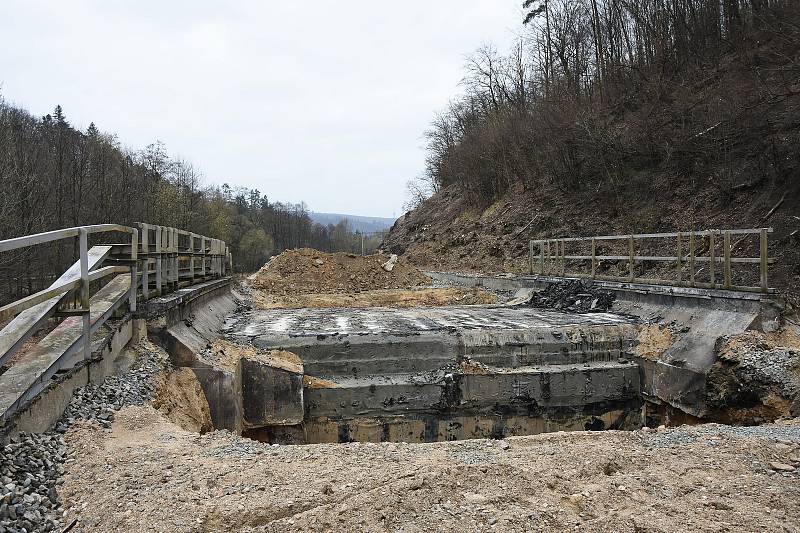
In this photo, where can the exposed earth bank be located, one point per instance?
(447, 233)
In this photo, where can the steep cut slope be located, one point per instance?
(446, 233)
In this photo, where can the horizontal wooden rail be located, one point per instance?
(59, 234)
(553, 256)
(156, 251)
(39, 297)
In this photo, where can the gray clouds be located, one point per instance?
(320, 101)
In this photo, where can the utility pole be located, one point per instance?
(362, 244)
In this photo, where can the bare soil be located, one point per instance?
(309, 271)
(147, 474)
(225, 354)
(426, 296)
(179, 396)
(653, 341)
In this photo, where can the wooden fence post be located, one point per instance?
(134, 271)
(680, 258)
(711, 256)
(691, 258)
(631, 274)
(764, 260)
(726, 250)
(87, 319)
(191, 256)
(159, 236)
(530, 257)
(145, 261)
(541, 258)
(175, 260)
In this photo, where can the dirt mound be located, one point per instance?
(309, 271)
(180, 397)
(573, 296)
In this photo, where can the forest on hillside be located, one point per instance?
(617, 117)
(600, 94)
(52, 175)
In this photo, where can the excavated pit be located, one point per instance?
(297, 376)
(424, 374)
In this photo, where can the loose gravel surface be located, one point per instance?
(31, 464)
(146, 474)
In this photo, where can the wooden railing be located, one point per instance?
(713, 249)
(81, 283)
(159, 260)
(176, 258)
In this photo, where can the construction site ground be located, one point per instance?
(157, 464)
(144, 472)
(147, 474)
(309, 278)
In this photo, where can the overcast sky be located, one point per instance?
(317, 101)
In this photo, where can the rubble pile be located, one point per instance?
(573, 296)
(756, 376)
(309, 271)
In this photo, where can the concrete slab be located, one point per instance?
(272, 391)
(379, 341)
(379, 320)
(424, 374)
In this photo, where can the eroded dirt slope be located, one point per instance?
(447, 233)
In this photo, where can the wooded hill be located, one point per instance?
(615, 116)
(53, 175)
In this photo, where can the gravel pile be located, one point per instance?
(31, 464)
(776, 367)
(573, 296)
(99, 402)
(756, 369)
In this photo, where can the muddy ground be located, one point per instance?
(147, 474)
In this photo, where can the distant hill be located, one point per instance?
(357, 223)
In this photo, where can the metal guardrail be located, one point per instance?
(549, 256)
(174, 258)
